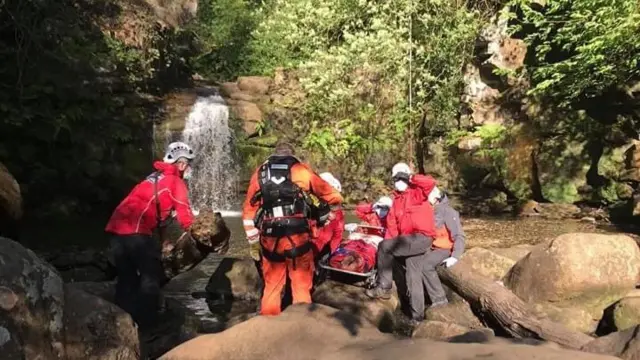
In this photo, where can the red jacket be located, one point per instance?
(331, 233)
(136, 214)
(411, 212)
(365, 213)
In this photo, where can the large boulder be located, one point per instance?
(96, 329)
(352, 298)
(573, 318)
(487, 263)
(591, 271)
(302, 331)
(176, 324)
(417, 349)
(314, 332)
(31, 305)
(623, 344)
(237, 278)
(10, 203)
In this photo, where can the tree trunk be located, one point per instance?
(505, 311)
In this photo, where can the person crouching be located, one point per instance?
(446, 249)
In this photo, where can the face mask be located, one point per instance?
(187, 174)
(434, 195)
(382, 212)
(401, 186)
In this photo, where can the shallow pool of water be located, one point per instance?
(480, 232)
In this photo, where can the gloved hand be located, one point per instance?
(351, 227)
(255, 250)
(450, 261)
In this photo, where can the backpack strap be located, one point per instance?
(156, 176)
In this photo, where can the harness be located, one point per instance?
(284, 210)
(155, 178)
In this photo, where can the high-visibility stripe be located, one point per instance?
(252, 232)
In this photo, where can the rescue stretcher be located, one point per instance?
(367, 279)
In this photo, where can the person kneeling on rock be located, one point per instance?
(446, 249)
(136, 254)
(410, 225)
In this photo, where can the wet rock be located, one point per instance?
(208, 234)
(437, 330)
(459, 313)
(573, 318)
(487, 263)
(247, 112)
(176, 325)
(97, 329)
(585, 270)
(352, 298)
(32, 303)
(236, 278)
(258, 85)
(10, 203)
(623, 344)
(550, 210)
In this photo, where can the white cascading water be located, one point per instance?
(215, 173)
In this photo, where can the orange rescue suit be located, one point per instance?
(275, 273)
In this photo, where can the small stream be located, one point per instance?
(189, 287)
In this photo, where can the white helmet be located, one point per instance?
(328, 177)
(400, 168)
(384, 201)
(177, 150)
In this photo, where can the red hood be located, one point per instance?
(168, 169)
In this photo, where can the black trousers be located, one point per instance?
(138, 262)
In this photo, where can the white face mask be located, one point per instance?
(434, 195)
(381, 212)
(401, 186)
(187, 174)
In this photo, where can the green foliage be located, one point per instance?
(581, 49)
(223, 30)
(352, 60)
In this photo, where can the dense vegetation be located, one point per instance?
(77, 96)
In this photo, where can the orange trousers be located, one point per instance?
(275, 276)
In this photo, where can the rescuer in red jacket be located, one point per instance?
(329, 237)
(410, 225)
(136, 254)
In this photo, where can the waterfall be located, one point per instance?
(215, 172)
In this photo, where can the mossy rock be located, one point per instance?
(626, 313)
(562, 169)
